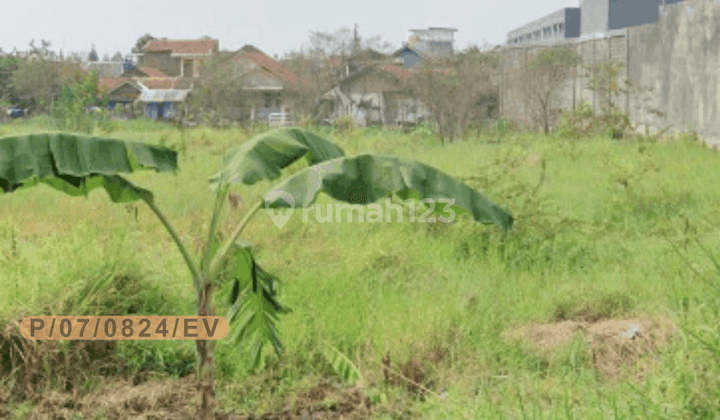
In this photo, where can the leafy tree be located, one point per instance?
(7, 66)
(540, 80)
(218, 88)
(106, 58)
(117, 57)
(80, 91)
(344, 40)
(140, 43)
(455, 90)
(36, 79)
(314, 81)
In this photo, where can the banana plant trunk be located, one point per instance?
(205, 348)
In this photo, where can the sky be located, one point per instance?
(275, 27)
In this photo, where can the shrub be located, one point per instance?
(344, 124)
(584, 122)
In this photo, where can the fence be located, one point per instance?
(672, 66)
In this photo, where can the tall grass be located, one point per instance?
(607, 225)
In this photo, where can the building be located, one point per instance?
(434, 42)
(607, 17)
(555, 27)
(177, 57)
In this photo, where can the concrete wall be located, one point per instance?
(672, 66)
(591, 51)
(679, 59)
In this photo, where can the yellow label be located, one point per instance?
(124, 327)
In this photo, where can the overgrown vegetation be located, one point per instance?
(605, 231)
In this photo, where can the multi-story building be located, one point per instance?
(434, 42)
(606, 17)
(594, 18)
(557, 26)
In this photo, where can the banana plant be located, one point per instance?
(76, 164)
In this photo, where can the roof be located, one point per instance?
(161, 83)
(182, 46)
(110, 83)
(163, 95)
(268, 66)
(151, 72)
(158, 82)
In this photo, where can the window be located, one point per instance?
(555, 28)
(560, 28)
(537, 34)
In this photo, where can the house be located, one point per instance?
(269, 85)
(151, 96)
(177, 57)
(376, 95)
(162, 78)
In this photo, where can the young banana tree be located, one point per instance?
(77, 164)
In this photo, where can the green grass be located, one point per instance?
(590, 238)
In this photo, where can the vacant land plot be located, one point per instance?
(601, 303)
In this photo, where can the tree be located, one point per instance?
(36, 80)
(117, 57)
(455, 90)
(344, 40)
(140, 43)
(43, 52)
(314, 80)
(7, 66)
(218, 87)
(93, 56)
(106, 58)
(540, 80)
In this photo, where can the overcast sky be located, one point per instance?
(276, 27)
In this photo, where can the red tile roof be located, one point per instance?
(269, 66)
(200, 46)
(151, 72)
(110, 83)
(158, 82)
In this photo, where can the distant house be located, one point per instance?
(376, 95)
(269, 85)
(177, 57)
(162, 77)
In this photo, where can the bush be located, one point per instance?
(344, 124)
(584, 122)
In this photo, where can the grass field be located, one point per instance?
(606, 232)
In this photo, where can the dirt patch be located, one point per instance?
(166, 399)
(611, 344)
